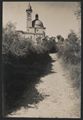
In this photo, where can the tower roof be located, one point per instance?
(29, 8)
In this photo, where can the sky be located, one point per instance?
(57, 17)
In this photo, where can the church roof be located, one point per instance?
(38, 24)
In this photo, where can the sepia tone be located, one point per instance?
(42, 59)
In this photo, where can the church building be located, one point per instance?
(34, 28)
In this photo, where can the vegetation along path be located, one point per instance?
(61, 100)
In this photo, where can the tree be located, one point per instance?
(78, 11)
(9, 34)
(78, 16)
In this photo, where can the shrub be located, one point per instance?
(9, 34)
(70, 52)
(24, 63)
(17, 45)
(50, 44)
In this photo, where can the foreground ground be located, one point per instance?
(62, 99)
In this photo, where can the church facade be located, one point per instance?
(34, 28)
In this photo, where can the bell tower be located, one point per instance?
(29, 17)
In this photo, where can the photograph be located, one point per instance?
(41, 59)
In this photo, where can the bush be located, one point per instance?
(24, 63)
(70, 52)
(19, 46)
(50, 44)
(9, 34)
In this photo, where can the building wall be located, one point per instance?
(31, 30)
(35, 30)
(38, 30)
(31, 36)
(33, 33)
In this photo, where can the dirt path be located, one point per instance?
(61, 102)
